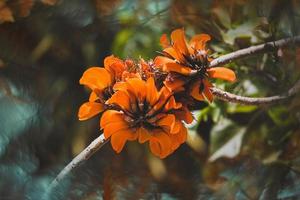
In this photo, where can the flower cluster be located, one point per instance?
(139, 100)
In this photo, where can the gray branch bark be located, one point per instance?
(269, 46)
(229, 97)
(226, 96)
(82, 156)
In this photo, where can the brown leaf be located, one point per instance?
(2, 64)
(108, 186)
(6, 14)
(49, 2)
(106, 7)
(24, 7)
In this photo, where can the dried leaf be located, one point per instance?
(49, 2)
(6, 14)
(157, 167)
(108, 186)
(24, 7)
(2, 64)
(195, 141)
(106, 7)
(223, 16)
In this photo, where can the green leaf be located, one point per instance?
(236, 108)
(245, 30)
(280, 116)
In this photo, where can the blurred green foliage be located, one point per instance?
(233, 151)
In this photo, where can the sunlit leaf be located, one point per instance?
(236, 108)
(231, 148)
(195, 141)
(280, 115)
(245, 30)
(157, 167)
(223, 16)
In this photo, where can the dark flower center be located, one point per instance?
(198, 61)
(107, 93)
(142, 115)
(138, 116)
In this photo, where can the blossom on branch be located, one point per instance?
(100, 81)
(143, 101)
(145, 114)
(187, 65)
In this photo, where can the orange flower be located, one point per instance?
(100, 81)
(145, 114)
(141, 69)
(188, 65)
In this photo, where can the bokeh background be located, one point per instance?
(232, 152)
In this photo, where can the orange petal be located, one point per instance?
(167, 121)
(176, 127)
(182, 135)
(159, 61)
(143, 135)
(207, 92)
(170, 51)
(175, 85)
(185, 115)
(110, 60)
(126, 75)
(122, 86)
(170, 124)
(96, 78)
(164, 41)
(172, 104)
(151, 93)
(93, 97)
(164, 142)
(114, 127)
(114, 65)
(118, 141)
(155, 147)
(175, 67)
(120, 98)
(164, 94)
(131, 134)
(222, 73)
(138, 87)
(111, 116)
(179, 138)
(195, 92)
(198, 41)
(178, 39)
(89, 109)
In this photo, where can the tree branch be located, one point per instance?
(82, 156)
(269, 46)
(226, 96)
(229, 97)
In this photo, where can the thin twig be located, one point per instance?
(269, 46)
(226, 96)
(82, 156)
